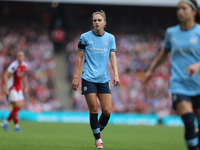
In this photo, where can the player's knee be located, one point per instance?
(18, 105)
(93, 109)
(106, 112)
(184, 107)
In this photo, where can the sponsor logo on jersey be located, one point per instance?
(20, 72)
(98, 49)
(184, 51)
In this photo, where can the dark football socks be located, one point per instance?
(103, 121)
(94, 123)
(190, 135)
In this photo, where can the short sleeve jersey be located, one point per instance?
(185, 51)
(96, 52)
(17, 71)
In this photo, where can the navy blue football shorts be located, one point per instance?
(91, 87)
(195, 100)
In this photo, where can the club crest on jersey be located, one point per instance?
(106, 42)
(193, 40)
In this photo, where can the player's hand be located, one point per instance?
(25, 90)
(75, 83)
(7, 92)
(116, 81)
(147, 76)
(193, 69)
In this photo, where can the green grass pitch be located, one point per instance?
(62, 136)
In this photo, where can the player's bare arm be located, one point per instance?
(79, 60)
(113, 62)
(6, 77)
(25, 83)
(157, 62)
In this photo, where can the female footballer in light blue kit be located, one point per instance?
(183, 41)
(96, 46)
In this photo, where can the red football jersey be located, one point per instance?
(17, 72)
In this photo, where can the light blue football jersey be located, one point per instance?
(96, 52)
(185, 51)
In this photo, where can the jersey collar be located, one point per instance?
(189, 29)
(98, 35)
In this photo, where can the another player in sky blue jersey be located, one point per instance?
(97, 46)
(183, 41)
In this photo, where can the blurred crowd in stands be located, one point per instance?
(38, 49)
(135, 52)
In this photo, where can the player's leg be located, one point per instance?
(16, 98)
(105, 100)
(11, 97)
(89, 90)
(196, 105)
(94, 123)
(184, 108)
(104, 95)
(17, 105)
(197, 114)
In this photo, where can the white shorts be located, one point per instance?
(15, 95)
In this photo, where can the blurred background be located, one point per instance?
(48, 32)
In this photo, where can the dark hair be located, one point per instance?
(197, 17)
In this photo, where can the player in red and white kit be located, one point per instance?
(12, 79)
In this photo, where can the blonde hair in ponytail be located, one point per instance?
(101, 12)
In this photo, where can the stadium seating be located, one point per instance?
(35, 42)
